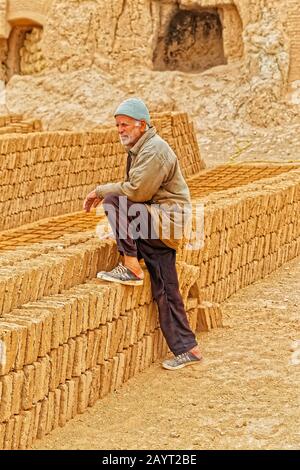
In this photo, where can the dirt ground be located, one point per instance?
(253, 145)
(244, 396)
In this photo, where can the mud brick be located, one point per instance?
(54, 277)
(114, 373)
(93, 264)
(129, 298)
(45, 374)
(72, 399)
(193, 318)
(133, 362)
(9, 434)
(136, 296)
(214, 246)
(27, 355)
(134, 327)
(204, 320)
(42, 422)
(203, 276)
(60, 321)
(159, 343)
(142, 319)
(154, 316)
(146, 295)
(63, 405)
(102, 336)
(12, 346)
(148, 352)
(90, 348)
(21, 292)
(39, 378)
(25, 439)
(50, 414)
(155, 345)
(95, 386)
(123, 322)
(44, 329)
(139, 358)
(64, 309)
(108, 340)
(223, 243)
(105, 380)
(290, 231)
(220, 291)
(82, 311)
(6, 389)
(16, 432)
(85, 382)
(90, 307)
(69, 268)
(34, 422)
(28, 387)
(210, 271)
(120, 371)
(71, 356)
(116, 336)
(260, 267)
(95, 305)
(213, 319)
(117, 309)
(71, 310)
(127, 353)
(125, 293)
(18, 380)
(10, 282)
(79, 357)
(243, 275)
(56, 409)
(236, 257)
(111, 303)
(53, 369)
(105, 305)
(2, 292)
(128, 329)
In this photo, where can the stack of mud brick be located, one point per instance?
(17, 124)
(68, 339)
(179, 132)
(49, 173)
(248, 233)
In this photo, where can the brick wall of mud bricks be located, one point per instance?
(49, 173)
(69, 339)
(248, 233)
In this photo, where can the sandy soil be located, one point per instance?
(244, 396)
(274, 145)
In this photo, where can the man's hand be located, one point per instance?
(92, 200)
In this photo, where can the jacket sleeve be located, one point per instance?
(145, 178)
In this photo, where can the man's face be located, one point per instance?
(129, 130)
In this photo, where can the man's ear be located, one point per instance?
(143, 126)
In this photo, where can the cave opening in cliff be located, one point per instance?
(23, 50)
(191, 42)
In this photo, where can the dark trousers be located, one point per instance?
(161, 264)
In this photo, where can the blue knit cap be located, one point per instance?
(135, 108)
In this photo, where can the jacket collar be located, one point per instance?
(145, 137)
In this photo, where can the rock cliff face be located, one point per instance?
(228, 62)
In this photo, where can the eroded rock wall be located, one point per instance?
(97, 52)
